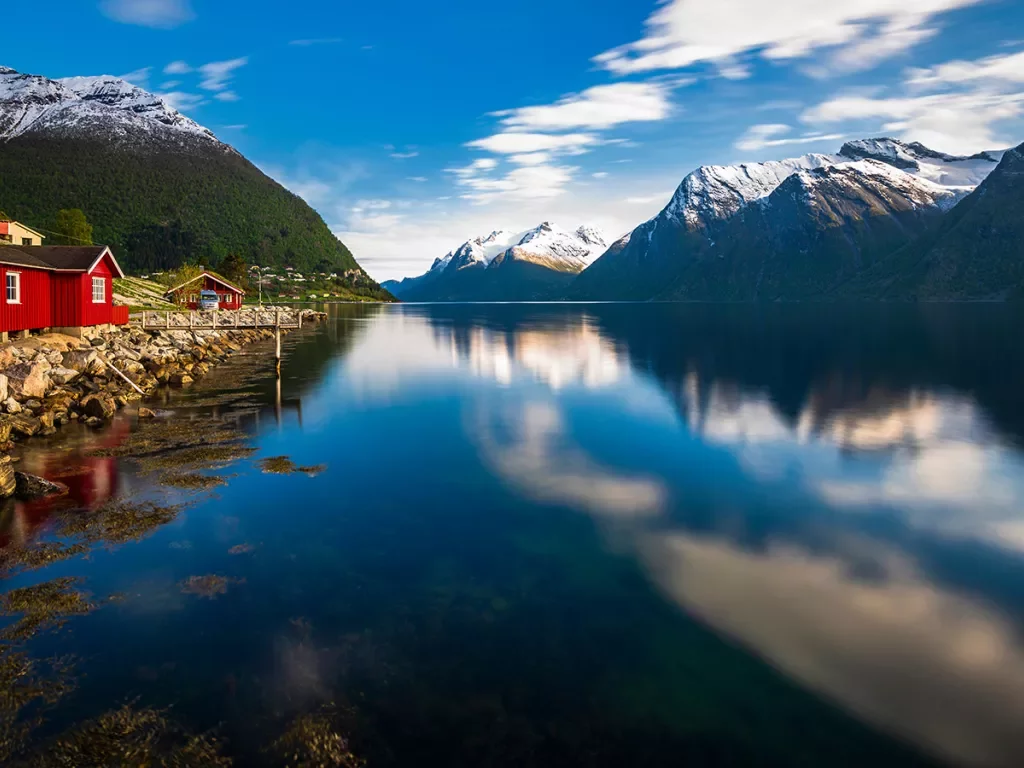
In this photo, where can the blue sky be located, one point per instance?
(414, 126)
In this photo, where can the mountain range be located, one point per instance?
(881, 218)
(537, 264)
(159, 188)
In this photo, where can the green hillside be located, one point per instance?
(160, 208)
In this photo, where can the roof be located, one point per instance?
(40, 235)
(213, 276)
(57, 258)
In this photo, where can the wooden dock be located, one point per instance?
(218, 319)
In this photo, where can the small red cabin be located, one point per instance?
(187, 294)
(65, 288)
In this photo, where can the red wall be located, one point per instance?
(72, 297)
(234, 300)
(34, 310)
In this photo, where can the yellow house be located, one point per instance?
(13, 233)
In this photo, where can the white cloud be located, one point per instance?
(162, 14)
(758, 137)
(139, 77)
(949, 122)
(992, 70)
(600, 107)
(682, 33)
(514, 143)
(177, 68)
(957, 106)
(226, 96)
(181, 101)
(217, 74)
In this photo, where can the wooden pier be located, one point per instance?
(218, 319)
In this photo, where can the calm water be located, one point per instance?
(598, 535)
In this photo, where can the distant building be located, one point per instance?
(61, 288)
(14, 233)
(187, 294)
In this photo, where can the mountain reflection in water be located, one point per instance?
(839, 490)
(583, 535)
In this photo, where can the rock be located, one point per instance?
(145, 413)
(62, 375)
(29, 379)
(78, 359)
(12, 406)
(25, 425)
(8, 484)
(180, 379)
(33, 487)
(98, 406)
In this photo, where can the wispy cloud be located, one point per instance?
(957, 106)
(597, 108)
(161, 14)
(217, 74)
(681, 33)
(139, 77)
(758, 137)
(317, 41)
(177, 68)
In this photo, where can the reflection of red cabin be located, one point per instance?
(65, 288)
(187, 294)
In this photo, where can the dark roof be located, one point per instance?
(211, 274)
(67, 258)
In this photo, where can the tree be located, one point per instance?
(72, 228)
(234, 269)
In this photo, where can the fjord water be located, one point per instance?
(589, 535)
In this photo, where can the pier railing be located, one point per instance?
(217, 319)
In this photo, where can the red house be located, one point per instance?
(63, 288)
(187, 294)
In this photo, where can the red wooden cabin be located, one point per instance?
(64, 288)
(187, 294)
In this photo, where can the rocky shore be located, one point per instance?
(51, 380)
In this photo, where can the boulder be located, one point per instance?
(78, 359)
(29, 379)
(98, 406)
(25, 425)
(34, 487)
(7, 482)
(62, 375)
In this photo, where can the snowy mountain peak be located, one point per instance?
(83, 107)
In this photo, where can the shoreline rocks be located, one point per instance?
(49, 381)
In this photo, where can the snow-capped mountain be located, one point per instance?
(83, 107)
(865, 179)
(506, 265)
(158, 187)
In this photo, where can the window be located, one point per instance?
(99, 290)
(13, 284)
(26, 241)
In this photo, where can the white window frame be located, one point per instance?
(101, 283)
(16, 286)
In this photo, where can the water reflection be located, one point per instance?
(839, 492)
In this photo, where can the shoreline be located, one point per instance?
(51, 380)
